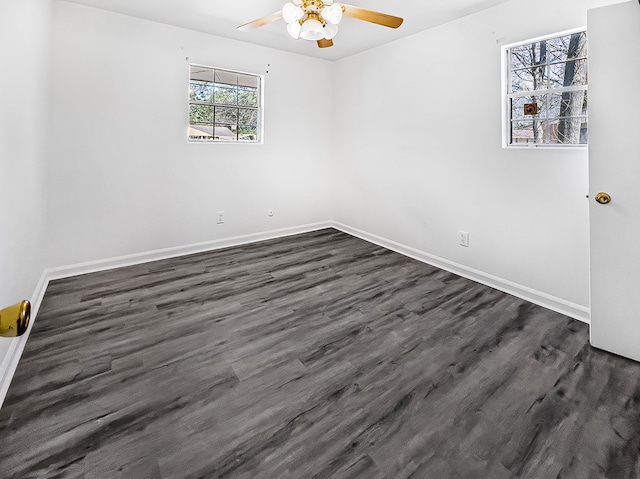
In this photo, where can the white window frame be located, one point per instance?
(506, 96)
(259, 108)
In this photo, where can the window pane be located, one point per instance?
(248, 133)
(522, 132)
(585, 104)
(569, 73)
(247, 97)
(528, 55)
(517, 106)
(199, 73)
(225, 132)
(226, 78)
(200, 91)
(571, 131)
(518, 61)
(249, 81)
(226, 115)
(200, 132)
(548, 106)
(567, 47)
(225, 96)
(525, 131)
(554, 101)
(200, 114)
(584, 131)
(248, 117)
(529, 79)
(568, 104)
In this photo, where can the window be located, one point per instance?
(546, 91)
(224, 106)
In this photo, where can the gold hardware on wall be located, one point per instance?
(14, 320)
(603, 198)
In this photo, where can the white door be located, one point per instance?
(614, 168)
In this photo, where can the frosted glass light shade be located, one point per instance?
(330, 31)
(327, 2)
(332, 13)
(291, 13)
(294, 29)
(312, 30)
(297, 2)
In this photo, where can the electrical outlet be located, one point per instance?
(464, 238)
(270, 213)
(220, 217)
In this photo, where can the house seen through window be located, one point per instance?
(547, 91)
(224, 106)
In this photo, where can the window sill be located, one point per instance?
(545, 147)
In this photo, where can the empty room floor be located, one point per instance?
(316, 355)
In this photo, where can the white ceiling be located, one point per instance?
(222, 17)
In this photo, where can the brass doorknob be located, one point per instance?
(603, 198)
(14, 320)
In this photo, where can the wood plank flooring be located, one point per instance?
(313, 356)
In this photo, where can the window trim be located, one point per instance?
(259, 108)
(505, 78)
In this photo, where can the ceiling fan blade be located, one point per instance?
(324, 43)
(371, 16)
(261, 22)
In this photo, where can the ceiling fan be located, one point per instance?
(317, 20)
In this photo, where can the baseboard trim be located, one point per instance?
(9, 363)
(548, 301)
(155, 255)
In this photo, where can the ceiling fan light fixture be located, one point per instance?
(330, 30)
(312, 30)
(292, 13)
(317, 20)
(332, 13)
(294, 29)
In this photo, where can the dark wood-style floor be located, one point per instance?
(318, 355)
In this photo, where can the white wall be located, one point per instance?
(122, 178)
(25, 27)
(418, 154)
